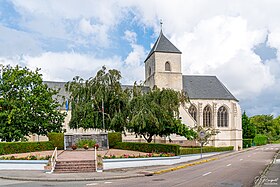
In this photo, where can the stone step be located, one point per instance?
(74, 171)
(74, 166)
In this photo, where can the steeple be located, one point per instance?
(163, 45)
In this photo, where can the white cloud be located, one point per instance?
(223, 46)
(216, 37)
(130, 36)
(14, 42)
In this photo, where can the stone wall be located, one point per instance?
(101, 139)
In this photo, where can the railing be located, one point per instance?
(53, 159)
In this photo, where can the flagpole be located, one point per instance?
(103, 115)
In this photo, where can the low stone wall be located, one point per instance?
(152, 161)
(23, 164)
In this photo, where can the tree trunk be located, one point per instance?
(149, 138)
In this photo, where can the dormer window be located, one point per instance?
(167, 66)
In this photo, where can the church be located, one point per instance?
(211, 103)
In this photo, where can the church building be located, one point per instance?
(211, 103)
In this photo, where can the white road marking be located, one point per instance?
(92, 184)
(241, 159)
(229, 165)
(107, 182)
(206, 173)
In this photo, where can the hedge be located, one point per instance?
(24, 147)
(185, 151)
(149, 147)
(247, 143)
(57, 139)
(114, 138)
(260, 139)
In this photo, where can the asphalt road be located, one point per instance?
(236, 170)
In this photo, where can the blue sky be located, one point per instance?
(237, 41)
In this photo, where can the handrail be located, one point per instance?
(53, 159)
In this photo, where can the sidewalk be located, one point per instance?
(107, 175)
(272, 176)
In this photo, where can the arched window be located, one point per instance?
(167, 66)
(193, 112)
(149, 71)
(222, 117)
(207, 116)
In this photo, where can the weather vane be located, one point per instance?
(161, 23)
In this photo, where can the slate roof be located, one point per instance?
(62, 92)
(205, 87)
(163, 45)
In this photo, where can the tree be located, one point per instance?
(26, 105)
(88, 96)
(249, 130)
(205, 134)
(156, 113)
(276, 127)
(264, 124)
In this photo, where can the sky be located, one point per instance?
(237, 41)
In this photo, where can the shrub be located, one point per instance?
(114, 138)
(185, 151)
(82, 142)
(260, 139)
(24, 147)
(247, 143)
(57, 139)
(148, 147)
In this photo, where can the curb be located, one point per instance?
(184, 166)
(72, 179)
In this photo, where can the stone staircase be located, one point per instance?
(75, 166)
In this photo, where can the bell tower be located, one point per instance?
(163, 65)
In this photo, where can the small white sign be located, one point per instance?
(201, 134)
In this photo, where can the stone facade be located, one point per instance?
(156, 74)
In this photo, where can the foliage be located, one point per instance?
(249, 130)
(149, 147)
(207, 149)
(156, 113)
(86, 98)
(24, 147)
(265, 124)
(27, 105)
(208, 133)
(247, 143)
(260, 139)
(57, 139)
(89, 142)
(29, 157)
(139, 155)
(114, 138)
